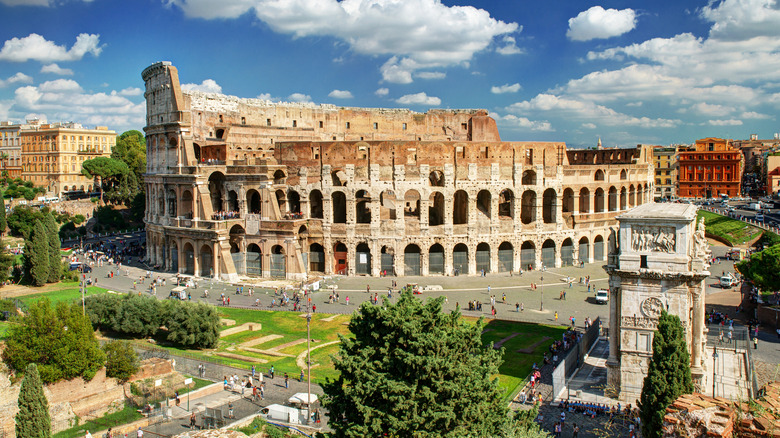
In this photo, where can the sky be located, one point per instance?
(628, 72)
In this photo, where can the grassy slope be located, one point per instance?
(734, 231)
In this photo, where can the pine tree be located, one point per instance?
(32, 420)
(36, 255)
(3, 221)
(53, 239)
(669, 375)
(411, 370)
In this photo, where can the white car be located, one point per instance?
(602, 296)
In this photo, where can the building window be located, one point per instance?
(403, 126)
(267, 122)
(347, 125)
(295, 123)
(220, 118)
(643, 261)
(243, 120)
(321, 124)
(376, 125)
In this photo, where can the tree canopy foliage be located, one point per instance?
(669, 375)
(60, 340)
(130, 148)
(33, 419)
(114, 176)
(121, 360)
(19, 188)
(36, 255)
(763, 268)
(411, 370)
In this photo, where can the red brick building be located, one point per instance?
(710, 168)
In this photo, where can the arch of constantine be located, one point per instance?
(246, 187)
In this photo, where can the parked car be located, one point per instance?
(602, 296)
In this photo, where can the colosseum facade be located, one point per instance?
(246, 187)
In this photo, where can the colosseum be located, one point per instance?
(249, 188)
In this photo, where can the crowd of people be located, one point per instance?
(224, 215)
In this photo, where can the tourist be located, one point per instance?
(192, 420)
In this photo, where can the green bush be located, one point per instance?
(254, 427)
(60, 340)
(121, 360)
(274, 432)
(78, 219)
(192, 325)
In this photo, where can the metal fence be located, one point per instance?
(574, 358)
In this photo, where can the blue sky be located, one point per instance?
(661, 72)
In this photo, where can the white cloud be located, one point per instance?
(430, 75)
(523, 122)
(589, 125)
(65, 99)
(587, 111)
(506, 88)
(207, 86)
(18, 78)
(382, 92)
(598, 23)
(635, 104)
(340, 94)
(31, 2)
(509, 47)
(56, 69)
(131, 91)
(299, 97)
(742, 19)
(711, 110)
(267, 96)
(729, 122)
(425, 32)
(419, 99)
(754, 115)
(37, 48)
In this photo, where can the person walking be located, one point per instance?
(286, 381)
(755, 343)
(192, 420)
(556, 316)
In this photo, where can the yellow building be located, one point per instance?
(52, 155)
(11, 149)
(665, 163)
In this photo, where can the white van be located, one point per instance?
(283, 414)
(602, 296)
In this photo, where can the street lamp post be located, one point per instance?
(308, 357)
(541, 295)
(714, 368)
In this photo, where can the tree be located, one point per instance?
(6, 261)
(192, 325)
(108, 170)
(22, 220)
(60, 340)
(131, 149)
(669, 375)
(411, 370)
(55, 259)
(121, 360)
(32, 420)
(36, 255)
(3, 220)
(763, 268)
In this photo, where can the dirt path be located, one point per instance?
(301, 359)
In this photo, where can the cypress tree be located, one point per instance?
(669, 375)
(3, 220)
(53, 239)
(36, 255)
(32, 420)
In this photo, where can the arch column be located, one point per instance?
(558, 253)
(217, 255)
(576, 206)
(559, 208)
(181, 258)
(537, 254)
(196, 258)
(448, 269)
(376, 256)
(424, 213)
(472, 259)
(195, 206)
(424, 254)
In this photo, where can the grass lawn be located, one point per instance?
(521, 351)
(734, 231)
(4, 325)
(126, 415)
(62, 292)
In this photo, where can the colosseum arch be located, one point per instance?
(281, 201)
(412, 204)
(529, 178)
(339, 178)
(506, 201)
(362, 207)
(436, 209)
(315, 204)
(316, 258)
(387, 260)
(362, 259)
(631, 196)
(293, 201)
(460, 210)
(279, 177)
(483, 203)
(172, 210)
(527, 255)
(189, 259)
(436, 259)
(568, 200)
(339, 203)
(460, 259)
(598, 248)
(387, 204)
(567, 252)
(341, 263)
(528, 207)
(598, 200)
(412, 260)
(584, 200)
(549, 201)
(623, 198)
(436, 178)
(217, 190)
(506, 257)
(548, 253)
(254, 202)
(613, 198)
(482, 257)
(599, 175)
(206, 261)
(584, 249)
(232, 201)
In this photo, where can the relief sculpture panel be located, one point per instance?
(658, 239)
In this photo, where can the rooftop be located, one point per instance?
(661, 210)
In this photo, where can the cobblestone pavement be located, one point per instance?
(599, 427)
